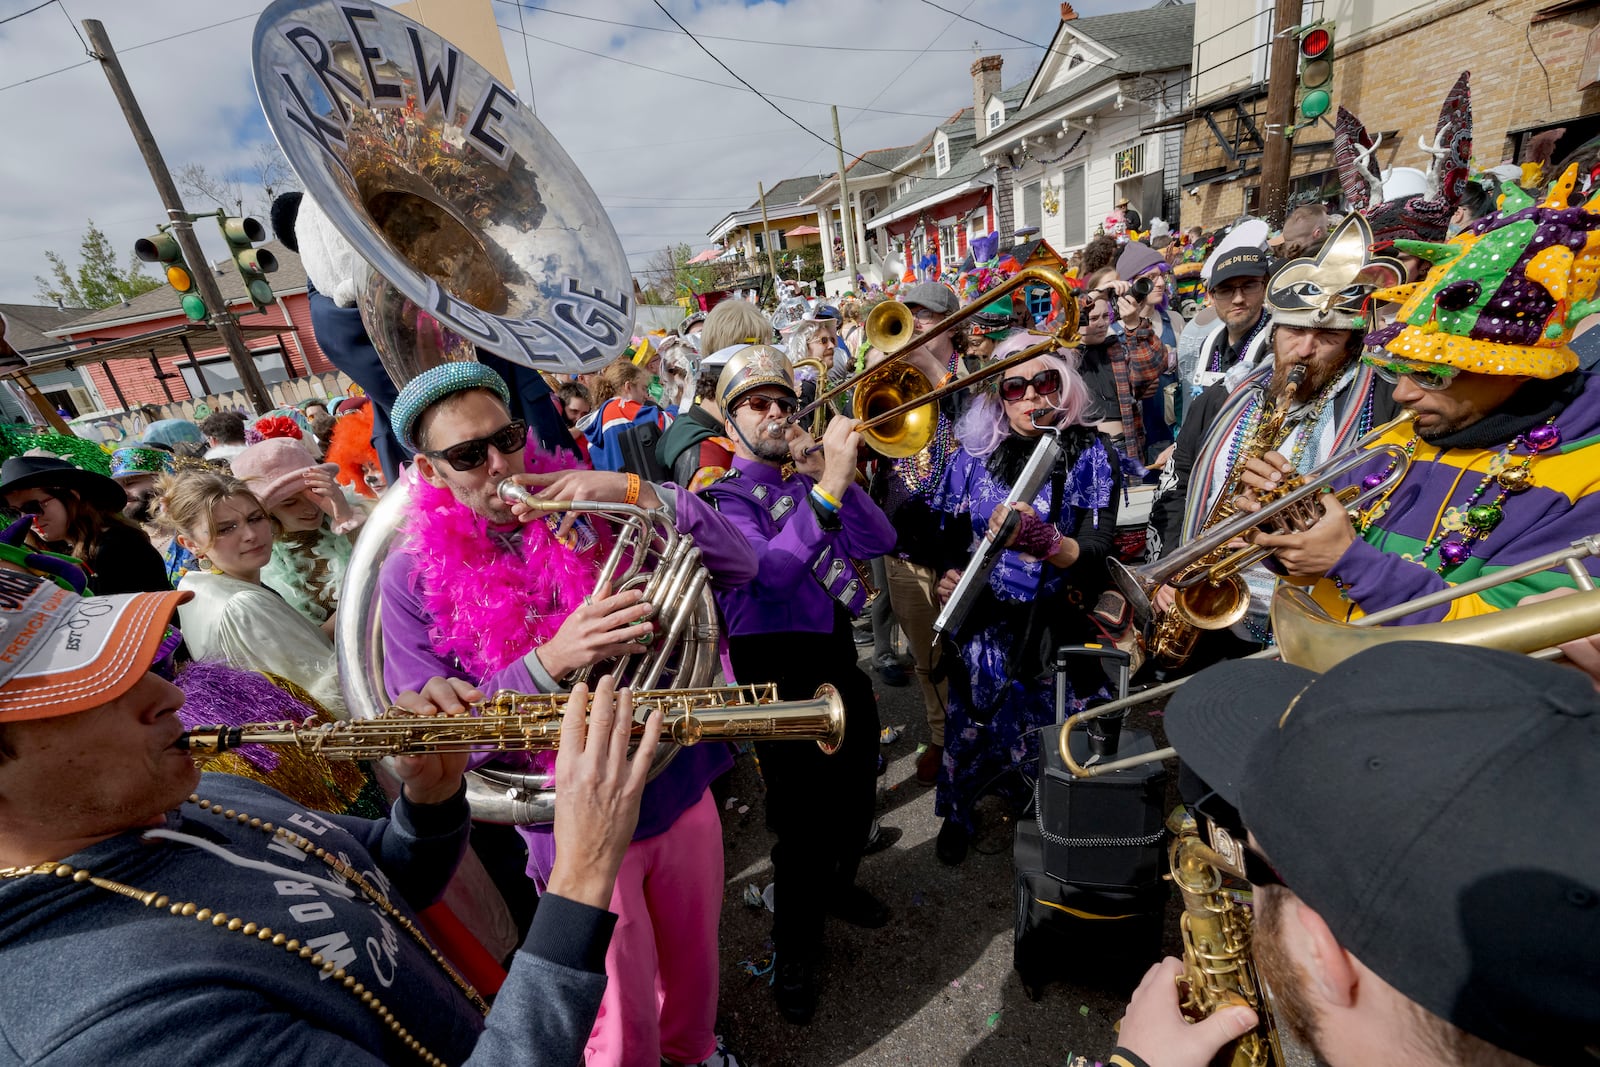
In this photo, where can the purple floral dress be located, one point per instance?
(994, 712)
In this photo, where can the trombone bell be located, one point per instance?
(892, 386)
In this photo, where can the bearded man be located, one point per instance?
(1335, 402)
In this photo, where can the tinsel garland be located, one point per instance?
(17, 440)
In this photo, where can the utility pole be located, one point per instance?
(221, 318)
(1281, 82)
(766, 238)
(847, 221)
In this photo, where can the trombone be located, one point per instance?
(890, 395)
(1308, 637)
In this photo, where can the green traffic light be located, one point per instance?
(1316, 104)
(260, 291)
(193, 307)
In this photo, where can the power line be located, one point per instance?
(705, 81)
(528, 60)
(763, 96)
(31, 10)
(992, 29)
(734, 40)
(130, 48)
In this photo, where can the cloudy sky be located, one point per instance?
(647, 115)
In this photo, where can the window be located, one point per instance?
(977, 225)
(221, 377)
(996, 118)
(949, 247)
(1072, 208)
(941, 156)
(1032, 209)
(1074, 60)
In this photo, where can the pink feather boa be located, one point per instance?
(491, 606)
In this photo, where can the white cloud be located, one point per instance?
(668, 156)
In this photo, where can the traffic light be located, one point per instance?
(254, 264)
(163, 248)
(1315, 91)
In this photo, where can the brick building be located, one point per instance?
(1393, 65)
(288, 351)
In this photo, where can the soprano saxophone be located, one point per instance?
(523, 722)
(1208, 605)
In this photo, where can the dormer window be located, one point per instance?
(941, 154)
(996, 117)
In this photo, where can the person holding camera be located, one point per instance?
(1122, 369)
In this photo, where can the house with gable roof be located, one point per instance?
(791, 223)
(1085, 134)
(941, 192)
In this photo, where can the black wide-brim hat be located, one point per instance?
(48, 472)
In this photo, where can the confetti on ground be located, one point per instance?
(761, 967)
(727, 805)
(1083, 1010)
(994, 1019)
(916, 899)
(922, 747)
(890, 734)
(955, 983)
(743, 808)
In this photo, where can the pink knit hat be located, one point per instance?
(273, 469)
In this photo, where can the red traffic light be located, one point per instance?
(1315, 43)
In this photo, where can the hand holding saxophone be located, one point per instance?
(600, 790)
(1155, 1030)
(434, 778)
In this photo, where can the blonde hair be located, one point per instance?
(189, 501)
(618, 373)
(734, 322)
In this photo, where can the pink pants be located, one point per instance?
(661, 968)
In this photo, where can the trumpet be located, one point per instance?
(895, 401)
(1206, 576)
(531, 722)
(1310, 638)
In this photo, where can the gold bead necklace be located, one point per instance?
(223, 921)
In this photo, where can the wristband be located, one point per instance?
(833, 502)
(824, 501)
(632, 495)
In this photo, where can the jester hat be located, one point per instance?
(1331, 290)
(1505, 295)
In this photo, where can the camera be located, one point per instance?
(1141, 287)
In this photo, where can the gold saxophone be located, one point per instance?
(1217, 969)
(523, 722)
(1216, 605)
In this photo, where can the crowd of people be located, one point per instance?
(1410, 824)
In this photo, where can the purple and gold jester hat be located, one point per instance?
(1504, 296)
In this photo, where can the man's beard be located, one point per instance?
(141, 508)
(771, 442)
(1281, 975)
(1316, 380)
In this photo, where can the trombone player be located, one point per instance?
(1502, 469)
(1315, 383)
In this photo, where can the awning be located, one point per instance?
(707, 256)
(802, 231)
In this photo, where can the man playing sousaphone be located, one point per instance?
(501, 598)
(1501, 470)
(1313, 398)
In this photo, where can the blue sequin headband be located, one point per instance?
(432, 386)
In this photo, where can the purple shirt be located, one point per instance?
(409, 660)
(777, 517)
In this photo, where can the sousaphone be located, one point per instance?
(479, 232)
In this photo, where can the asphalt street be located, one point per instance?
(935, 986)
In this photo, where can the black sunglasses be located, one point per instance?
(786, 405)
(31, 507)
(470, 455)
(1045, 383)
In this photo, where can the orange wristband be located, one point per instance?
(632, 495)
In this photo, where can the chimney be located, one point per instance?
(985, 83)
(1067, 14)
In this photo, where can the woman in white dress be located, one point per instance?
(233, 616)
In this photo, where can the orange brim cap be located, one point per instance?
(61, 653)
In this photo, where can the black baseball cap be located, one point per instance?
(1435, 804)
(1239, 263)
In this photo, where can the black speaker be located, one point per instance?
(1106, 832)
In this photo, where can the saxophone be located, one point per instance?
(1208, 605)
(1217, 970)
